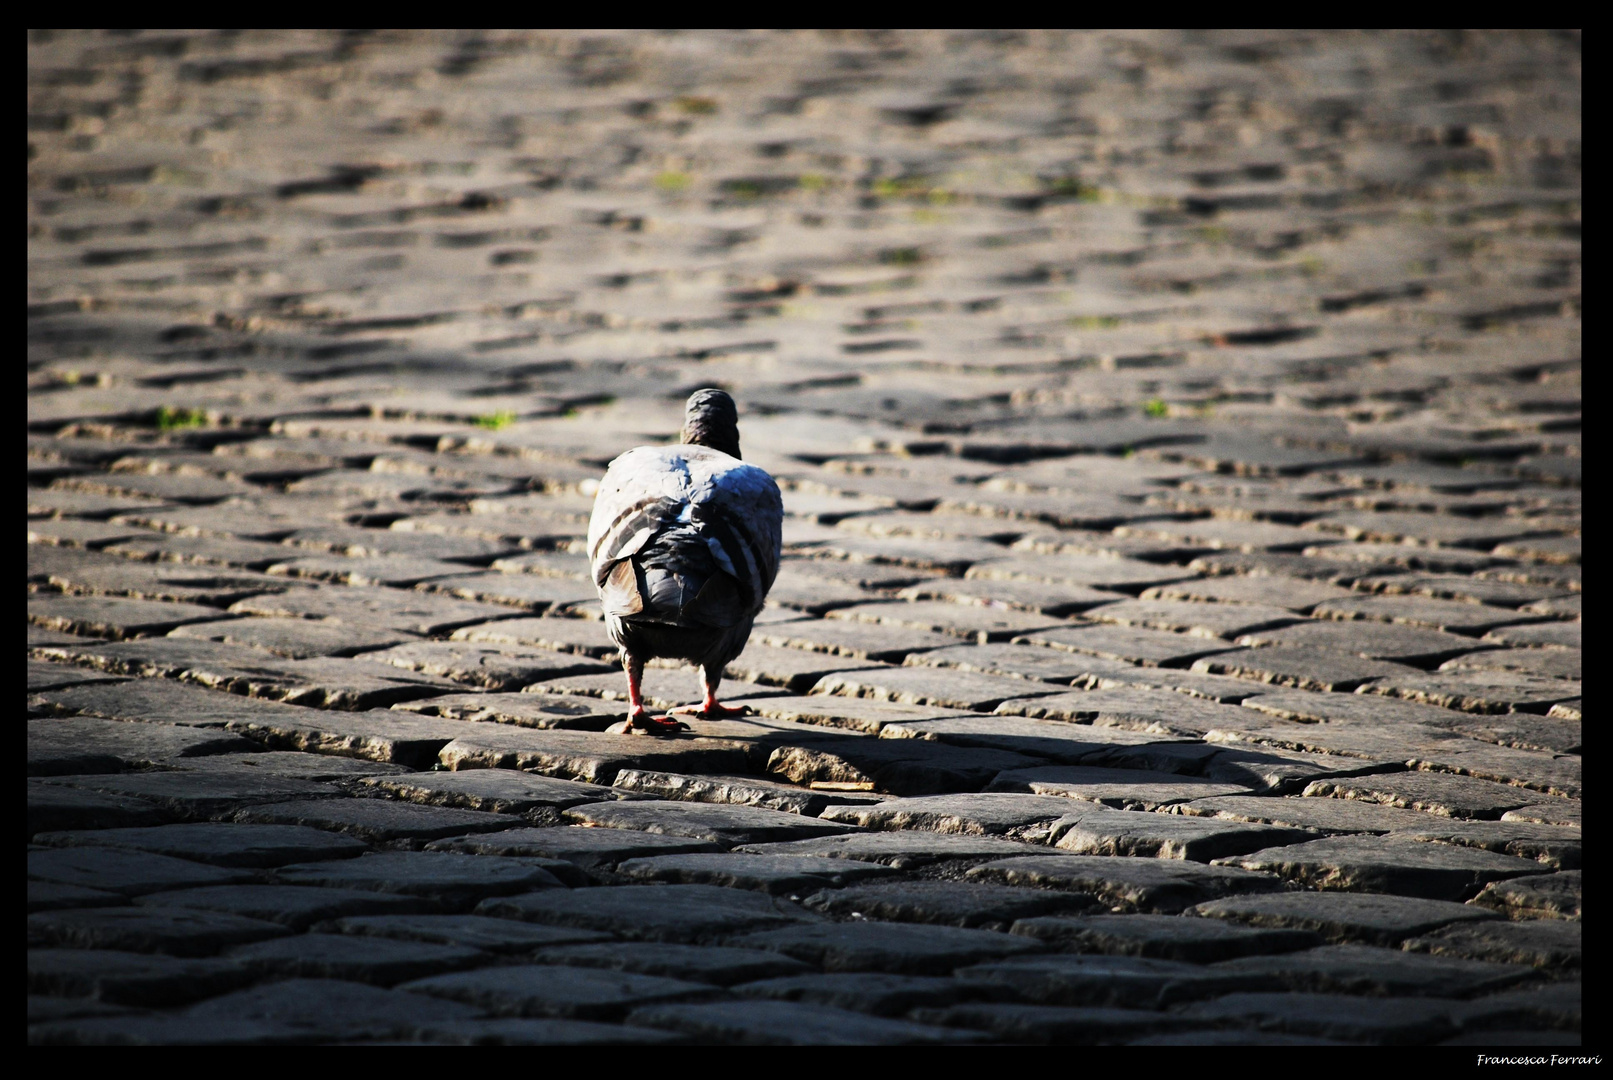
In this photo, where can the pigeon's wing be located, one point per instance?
(733, 508)
(641, 495)
(741, 514)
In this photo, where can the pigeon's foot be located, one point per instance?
(713, 711)
(655, 725)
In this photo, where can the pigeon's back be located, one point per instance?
(685, 534)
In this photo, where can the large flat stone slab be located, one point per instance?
(1367, 918)
(1328, 816)
(903, 849)
(468, 931)
(1132, 644)
(1065, 743)
(1551, 944)
(111, 617)
(727, 825)
(128, 872)
(891, 948)
(790, 1023)
(714, 964)
(1389, 1021)
(859, 640)
(1031, 662)
(588, 756)
(492, 667)
(374, 960)
(165, 701)
(523, 709)
(143, 979)
(1167, 836)
(734, 790)
(1308, 667)
(217, 843)
(380, 820)
(453, 881)
(945, 903)
(1382, 864)
(677, 913)
(1122, 789)
(201, 794)
(1548, 896)
(1441, 794)
(295, 638)
(1126, 883)
(1156, 711)
(1369, 969)
(53, 808)
(1027, 817)
(893, 766)
(1132, 981)
(171, 930)
(857, 714)
(780, 875)
(83, 744)
(500, 791)
(372, 607)
(973, 622)
(866, 991)
(1164, 937)
(578, 844)
(940, 687)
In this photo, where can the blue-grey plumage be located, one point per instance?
(684, 544)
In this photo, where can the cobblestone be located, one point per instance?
(1178, 633)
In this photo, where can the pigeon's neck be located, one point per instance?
(713, 432)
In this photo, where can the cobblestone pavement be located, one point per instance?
(1178, 639)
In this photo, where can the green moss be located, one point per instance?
(1156, 408)
(672, 181)
(695, 106)
(1094, 322)
(494, 421)
(178, 419)
(813, 181)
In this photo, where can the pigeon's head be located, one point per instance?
(710, 419)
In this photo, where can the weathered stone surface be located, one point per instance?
(1166, 836)
(52, 807)
(858, 714)
(1382, 864)
(946, 903)
(726, 825)
(1392, 1021)
(1057, 741)
(452, 881)
(780, 875)
(1548, 896)
(128, 872)
(575, 844)
(713, 964)
(523, 1031)
(990, 814)
(1552, 663)
(1434, 793)
(1556, 1005)
(143, 979)
(677, 913)
(1308, 667)
(1479, 691)
(523, 709)
(1209, 620)
(218, 843)
(380, 819)
(172, 930)
(1414, 645)
(902, 849)
(1165, 937)
(1367, 918)
(888, 947)
(373, 607)
(973, 622)
(296, 638)
(204, 793)
(579, 636)
(893, 766)
(1556, 812)
(1340, 816)
(54, 896)
(1543, 943)
(1128, 884)
(504, 667)
(544, 990)
(324, 1009)
(1134, 645)
(168, 702)
(293, 906)
(1287, 593)
(293, 765)
(83, 744)
(867, 991)
(1368, 969)
(941, 687)
(793, 669)
(1124, 789)
(1106, 980)
(376, 960)
(733, 790)
(468, 931)
(110, 617)
(1049, 1024)
(43, 675)
(502, 791)
(1448, 615)
(1157, 711)
(1553, 845)
(587, 756)
(790, 1023)
(860, 640)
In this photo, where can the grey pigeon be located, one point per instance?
(683, 545)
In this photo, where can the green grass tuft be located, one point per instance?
(1156, 408)
(494, 421)
(178, 419)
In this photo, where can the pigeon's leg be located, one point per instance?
(638, 717)
(711, 708)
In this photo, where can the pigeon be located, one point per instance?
(683, 545)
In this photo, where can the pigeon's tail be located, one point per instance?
(674, 580)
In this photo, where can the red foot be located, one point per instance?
(656, 725)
